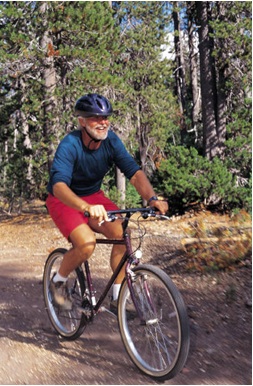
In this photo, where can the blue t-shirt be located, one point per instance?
(82, 169)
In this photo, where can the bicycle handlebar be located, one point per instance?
(132, 211)
(145, 213)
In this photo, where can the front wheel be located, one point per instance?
(153, 323)
(69, 324)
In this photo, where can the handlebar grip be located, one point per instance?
(87, 214)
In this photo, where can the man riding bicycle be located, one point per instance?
(81, 161)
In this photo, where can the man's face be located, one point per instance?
(97, 126)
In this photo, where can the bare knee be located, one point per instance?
(84, 242)
(85, 250)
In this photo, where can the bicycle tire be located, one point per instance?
(157, 339)
(69, 324)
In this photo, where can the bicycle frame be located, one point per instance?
(128, 256)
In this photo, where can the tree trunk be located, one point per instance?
(49, 77)
(142, 143)
(221, 95)
(193, 58)
(21, 119)
(180, 69)
(27, 147)
(121, 186)
(221, 113)
(208, 84)
(141, 139)
(5, 162)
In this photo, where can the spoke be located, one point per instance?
(154, 338)
(161, 343)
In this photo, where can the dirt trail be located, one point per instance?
(219, 307)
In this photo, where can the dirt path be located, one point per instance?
(219, 308)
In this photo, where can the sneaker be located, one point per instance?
(130, 309)
(60, 295)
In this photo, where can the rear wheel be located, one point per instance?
(69, 324)
(157, 336)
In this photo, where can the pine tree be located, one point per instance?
(51, 54)
(225, 78)
(231, 25)
(225, 39)
(151, 106)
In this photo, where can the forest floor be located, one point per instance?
(218, 301)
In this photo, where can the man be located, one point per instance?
(81, 161)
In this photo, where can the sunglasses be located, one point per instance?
(98, 117)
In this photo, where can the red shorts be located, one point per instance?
(67, 219)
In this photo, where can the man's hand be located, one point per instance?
(97, 212)
(160, 205)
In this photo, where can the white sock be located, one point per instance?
(115, 291)
(59, 277)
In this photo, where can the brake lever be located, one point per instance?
(110, 219)
(163, 217)
(154, 214)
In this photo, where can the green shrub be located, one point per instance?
(186, 177)
(133, 199)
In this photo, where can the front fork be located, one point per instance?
(131, 278)
(144, 293)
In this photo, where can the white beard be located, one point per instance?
(99, 132)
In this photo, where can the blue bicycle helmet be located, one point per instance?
(93, 104)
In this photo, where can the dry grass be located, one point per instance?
(212, 247)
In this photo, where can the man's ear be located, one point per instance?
(81, 120)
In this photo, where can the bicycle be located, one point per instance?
(156, 333)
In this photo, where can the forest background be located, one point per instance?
(178, 75)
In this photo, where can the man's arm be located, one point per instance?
(68, 197)
(145, 189)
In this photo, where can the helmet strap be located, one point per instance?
(91, 138)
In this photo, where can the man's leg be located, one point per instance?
(116, 255)
(84, 242)
(113, 230)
